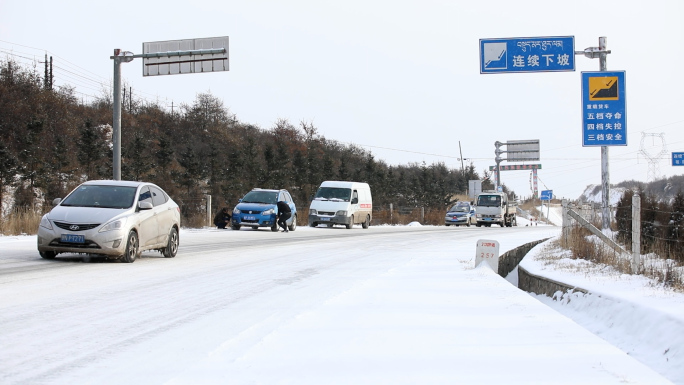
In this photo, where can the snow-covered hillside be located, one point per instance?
(592, 194)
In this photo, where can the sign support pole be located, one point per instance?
(116, 129)
(605, 173)
(600, 52)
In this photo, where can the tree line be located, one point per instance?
(50, 142)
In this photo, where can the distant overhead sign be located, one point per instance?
(527, 54)
(173, 57)
(522, 150)
(678, 158)
(517, 167)
(604, 119)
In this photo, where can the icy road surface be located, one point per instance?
(387, 305)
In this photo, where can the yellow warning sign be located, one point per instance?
(603, 88)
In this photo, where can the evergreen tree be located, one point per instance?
(343, 171)
(328, 168)
(164, 157)
(300, 170)
(92, 150)
(137, 160)
(676, 227)
(8, 170)
(58, 170)
(191, 173)
(32, 154)
(623, 218)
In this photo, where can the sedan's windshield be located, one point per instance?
(460, 209)
(333, 194)
(109, 197)
(268, 197)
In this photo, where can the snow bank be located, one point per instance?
(631, 312)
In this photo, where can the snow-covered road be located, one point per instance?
(387, 305)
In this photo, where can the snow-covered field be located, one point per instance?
(387, 305)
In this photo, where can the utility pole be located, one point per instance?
(462, 168)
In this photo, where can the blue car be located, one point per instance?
(462, 213)
(258, 208)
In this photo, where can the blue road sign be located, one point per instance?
(546, 195)
(604, 118)
(527, 54)
(678, 158)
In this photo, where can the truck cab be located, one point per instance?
(494, 208)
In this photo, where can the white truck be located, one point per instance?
(494, 207)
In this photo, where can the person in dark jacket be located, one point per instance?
(222, 218)
(284, 213)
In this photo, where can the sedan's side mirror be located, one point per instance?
(56, 201)
(145, 205)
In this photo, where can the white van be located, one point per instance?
(341, 203)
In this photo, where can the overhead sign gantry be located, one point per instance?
(165, 58)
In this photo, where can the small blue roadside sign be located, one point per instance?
(604, 118)
(546, 195)
(678, 158)
(527, 54)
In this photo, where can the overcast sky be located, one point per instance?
(399, 78)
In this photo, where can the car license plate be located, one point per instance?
(72, 238)
(250, 218)
(325, 219)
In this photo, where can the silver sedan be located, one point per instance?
(117, 219)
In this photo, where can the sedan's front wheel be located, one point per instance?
(172, 245)
(131, 252)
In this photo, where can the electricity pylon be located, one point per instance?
(652, 156)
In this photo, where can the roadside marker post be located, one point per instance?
(487, 250)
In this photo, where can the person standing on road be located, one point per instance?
(284, 213)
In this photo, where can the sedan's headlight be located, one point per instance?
(268, 212)
(44, 222)
(341, 213)
(313, 212)
(113, 225)
(236, 211)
